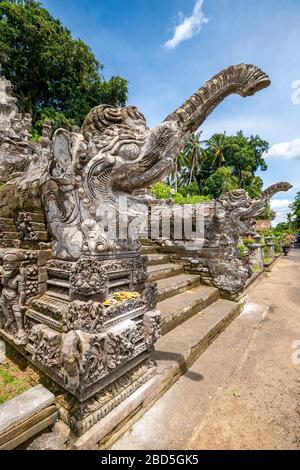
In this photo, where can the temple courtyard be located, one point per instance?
(243, 391)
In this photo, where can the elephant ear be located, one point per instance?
(61, 159)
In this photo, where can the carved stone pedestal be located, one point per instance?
(91, 331)
(81, 416)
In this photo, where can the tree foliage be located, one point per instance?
(220, 182)
(188, 163)
(48, 68)
(295, 215)
(267, 213)
(242, 155)
(222, 163)
(185, 195)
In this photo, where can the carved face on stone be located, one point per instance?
(126, 150)
(11, 264)
(238, 206)
(116, 155)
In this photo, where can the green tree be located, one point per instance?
(244, 155)
(48, 68)
(215, 153)
(267, 213)
(219, 182)
(188, 163)
(241, 156)
(281, 227)
(295, 207)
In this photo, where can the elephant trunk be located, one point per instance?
(258, 204)
(243, 79)
(274, 189)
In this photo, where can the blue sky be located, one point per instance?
(166, 49)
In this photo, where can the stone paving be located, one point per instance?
(243, 392)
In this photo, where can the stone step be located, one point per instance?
(162, 271)
(174, 354)
(50, 306)
(146, 249)
(155, 258)
(25, 416)
(177, 309)
(58, 282)
(176, 284)
(204, 382)
(6, 221)
(176, 351)
(12, 235)
(147, 242)
(58, 295)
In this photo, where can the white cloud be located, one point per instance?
(189, 26)
(289, 150)
(281, 207)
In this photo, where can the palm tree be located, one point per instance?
(289, 219)
(188, 162)
(215, 150)
(195, 153)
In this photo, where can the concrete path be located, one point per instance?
(244, 391)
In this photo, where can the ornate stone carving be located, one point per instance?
(234, 216)
(152, 327)
(91, 324)
(88, 277)
(140, 274)
(13, 294)
(226, 219)
(81, 416)
(119, 344)
(47, 345)
(150, 295)
(71, 359)
(86, 316)
(24, 228)
(93, 365)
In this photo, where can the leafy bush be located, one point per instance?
(56, 119)
(248, 241)
(185, 195)
(255, 268)
(179, 198)
(161, 190)
(189, 190)
(242, 250)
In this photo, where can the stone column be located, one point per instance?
(257, 257)
(270, 245)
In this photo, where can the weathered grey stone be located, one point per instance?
(176, 351)
(61, 428)
(85, 315)
(22, 407)
(49, 441)
(28, 428)
(2, 352)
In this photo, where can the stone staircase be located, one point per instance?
(181, 295)
(193, 315)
